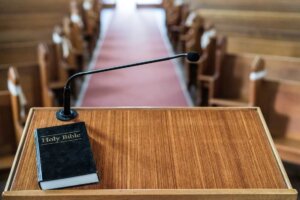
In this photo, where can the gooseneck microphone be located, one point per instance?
(67, 113)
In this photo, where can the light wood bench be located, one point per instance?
(22, 27)
(29, 21)
(279, 101)
(273, 5)
(92, 22)
(278, 95)
(8, 37)
(176, 24)
(236, 84)
(30, 81)
(7, 139)
(35, 6)
(18, 53)
(18, 101)
(261, 32)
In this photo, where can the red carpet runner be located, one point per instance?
(133, 37)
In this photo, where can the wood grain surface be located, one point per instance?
(213, 148)
(168, 194)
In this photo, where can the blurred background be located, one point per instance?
(250, 56)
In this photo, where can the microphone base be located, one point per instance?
(62, 117)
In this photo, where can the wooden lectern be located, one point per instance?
(164, 153)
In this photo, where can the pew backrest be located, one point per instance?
(7, 134)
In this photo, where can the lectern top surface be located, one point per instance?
(181, 148)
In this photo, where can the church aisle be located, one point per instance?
(134, 36)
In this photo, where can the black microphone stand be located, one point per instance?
(67, 113)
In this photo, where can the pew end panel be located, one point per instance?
(7, 140)
(18, 101)
(30, 82)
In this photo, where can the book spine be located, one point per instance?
(38, 157)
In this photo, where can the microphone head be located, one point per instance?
(193, 56)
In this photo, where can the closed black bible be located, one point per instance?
(64, 156)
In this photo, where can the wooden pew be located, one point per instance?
(64, 56)
(73, 32)
(278, 68)
(236, 84)
(166, 4)
(18, 53)
(282, 68)
(28, 55)
(21, 32)
(108, 3)
(177, 27)
(201, 37)
(279, 101)
(22, 27)
(263, 24)
(49, 86)
(262, 32)
(54, 72)
(30, 81)
(192, 40)
(34, 6)
(18, 36)
(191, 33)
(143, 4)
(91, 18)
(18, 102)
(279, 98)
(273, 5)
(40, 20)
(7, 139)
(277, 94)
(209, 68)
(175, 14)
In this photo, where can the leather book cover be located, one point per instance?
(63, 152)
